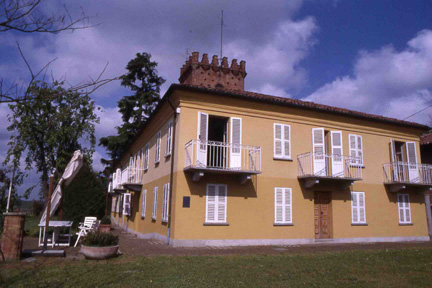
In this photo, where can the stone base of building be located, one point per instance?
(269, 242)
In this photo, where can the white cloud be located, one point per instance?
(109, 119)
(275, 63)
(386, 82)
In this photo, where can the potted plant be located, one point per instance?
(105, 224)
(100, 245)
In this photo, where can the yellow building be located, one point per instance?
(217, 165)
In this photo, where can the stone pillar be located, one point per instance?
(428, 214)
(12, 236)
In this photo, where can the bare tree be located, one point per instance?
(26, 16)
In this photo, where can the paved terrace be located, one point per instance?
(132, 246)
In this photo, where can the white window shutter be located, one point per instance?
(354, 204)
(411, 152)
(146, 159)
(169, 138)
(279, 205)
(144, 199)
(360, 149)
(221, 203)
(288, 205)
(211, 203)
(336, 143)
(318, 140)
(155, 196)
(165, 202)
(287, 146)
(362, 209)
(202, 127)
(277, 136)
(158, 143)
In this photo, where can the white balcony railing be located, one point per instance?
(222, 156)
(128, 175)
(329, 166)
(403, 172)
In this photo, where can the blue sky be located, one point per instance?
(371, 56)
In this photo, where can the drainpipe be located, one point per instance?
(428, 213)
(172, 171)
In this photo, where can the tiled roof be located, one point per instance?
(426, 139)
(298, 103)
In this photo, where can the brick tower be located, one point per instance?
(213, 75)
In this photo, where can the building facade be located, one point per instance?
(217, 165)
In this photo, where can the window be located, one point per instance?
(404, 209)
(117, 209)
(146, 157)
(358, 210)
(158, 142)
(169, 138)
(356, 149)
(144, 199)
(113, 204)
(165, 202)
(155, 196)
(216, 203)
(283, 205)
(126, 204)
(282, 142)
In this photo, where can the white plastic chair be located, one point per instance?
(85, 227)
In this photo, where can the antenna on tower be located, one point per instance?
(222, 26)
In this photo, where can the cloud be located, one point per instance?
(275, 63)
(386, 82)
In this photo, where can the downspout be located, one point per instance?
(172, 171)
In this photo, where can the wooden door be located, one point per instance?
(323, 215)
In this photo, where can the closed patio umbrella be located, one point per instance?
(70, 172)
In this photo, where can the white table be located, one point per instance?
(54, 241)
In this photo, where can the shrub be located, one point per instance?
(100, 239)
(37, 208)
(106, 220)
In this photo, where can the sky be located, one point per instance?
(370, 56)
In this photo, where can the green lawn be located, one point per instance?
(383, 268)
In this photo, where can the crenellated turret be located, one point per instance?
(212, 75)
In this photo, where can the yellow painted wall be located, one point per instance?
(250, 207)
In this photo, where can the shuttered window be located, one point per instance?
(356, 149)
(282, 141)
(169, 139)
(126, 203)
(146, 157)
(165, 202)
(113, 204)
(404, 208)
(358, 208)
(216, 203)
(155, 196)
(283, 205)
(143, 204)
(158, 144)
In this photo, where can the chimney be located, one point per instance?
(217, 74)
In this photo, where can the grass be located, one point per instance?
(382, 268)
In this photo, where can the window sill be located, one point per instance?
(359, 224)
(167, 155)
(283, 159)
(153, 219)
(157, 162)
(215, 224)
(406, 224)
(283, 224)
(164, 221)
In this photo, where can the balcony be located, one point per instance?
(314, 168)
(129, 178)
(223, 158)
(399, 175)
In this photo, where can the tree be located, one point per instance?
(85, 196)
(4, 190)
(142, 79)
(29, 16)
(50, 127)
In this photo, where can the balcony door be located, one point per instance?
(413, 171)
(201, 148)
(217, 149)
(235, 150)
(318, 143)
(336, 154)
